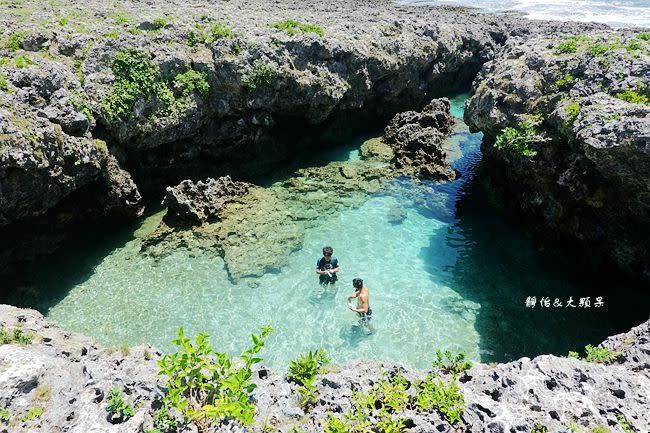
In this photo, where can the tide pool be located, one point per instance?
(453, 274)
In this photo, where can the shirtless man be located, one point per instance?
(362, 294)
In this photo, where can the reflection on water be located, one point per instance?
(447, 272)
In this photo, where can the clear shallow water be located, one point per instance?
(453, 275)
(624, 13)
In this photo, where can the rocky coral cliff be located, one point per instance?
(585, 180)
(177, 89)
(68, 377)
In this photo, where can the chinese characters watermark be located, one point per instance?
(545, 302)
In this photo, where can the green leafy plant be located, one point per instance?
(117, 406)
(17, 335)
(293, 27)
(643, 36)
(63, 21)
(600, 355)
(451, 363)
(570, 44)
(4, 82)
(517, 141)
(191, 82)
(22, 61)
(160, 23)
(303, 370)
(5, 415)
(446, 398)
(307, 366)
(163, 421)
(207, 386)
(598, 49)
(121, 18)
(572, 113)
(539, 428)
(113, 34)
(220, 30)
(634, 45)
(33, 413)
(573, 426)
(261, 75)
(630, 95)
(136, 78)
(622, 422)
(336, 425)
(566, 80)
(14, 41)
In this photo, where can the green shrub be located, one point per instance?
(598, 49)
(191, 82)
(220, 31)
(517, 141)
(261, 75)
(565, 80)
(307, 366)
(293, 27)
(643, 36)
(113, 34)
(33, 413)
(622, 422)
(22, 61)
(304, 370)
(163, 421)
(601, 355)
(15, 336)
(539, 428)
(336, 425)
(121, 18)
(450, 363)
(63, 21)
(15, 40)
(632, 96)
(117, 405)
(634, 46)
(5, 415)
(136, 78)
(570, 44)
(4, 82)
(206, 386)
(572, 111)
(447, 399)
(160, 23)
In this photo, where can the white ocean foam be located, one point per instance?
(629, 13)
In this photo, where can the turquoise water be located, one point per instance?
(453, 274)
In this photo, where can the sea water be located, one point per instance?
(622, 13)
(453, 274)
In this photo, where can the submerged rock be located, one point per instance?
(416, 139)
(246, 225)
(69, 377)
(587, 184)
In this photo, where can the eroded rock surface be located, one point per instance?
(560, 393)
(416, 139)
(202, 201)
(588, 185)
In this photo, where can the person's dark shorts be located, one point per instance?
(326, 279)
(365, 317)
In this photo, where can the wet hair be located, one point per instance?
(327, 251)
(357, 283)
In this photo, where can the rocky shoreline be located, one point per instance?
(219, 91)
(68, 377)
